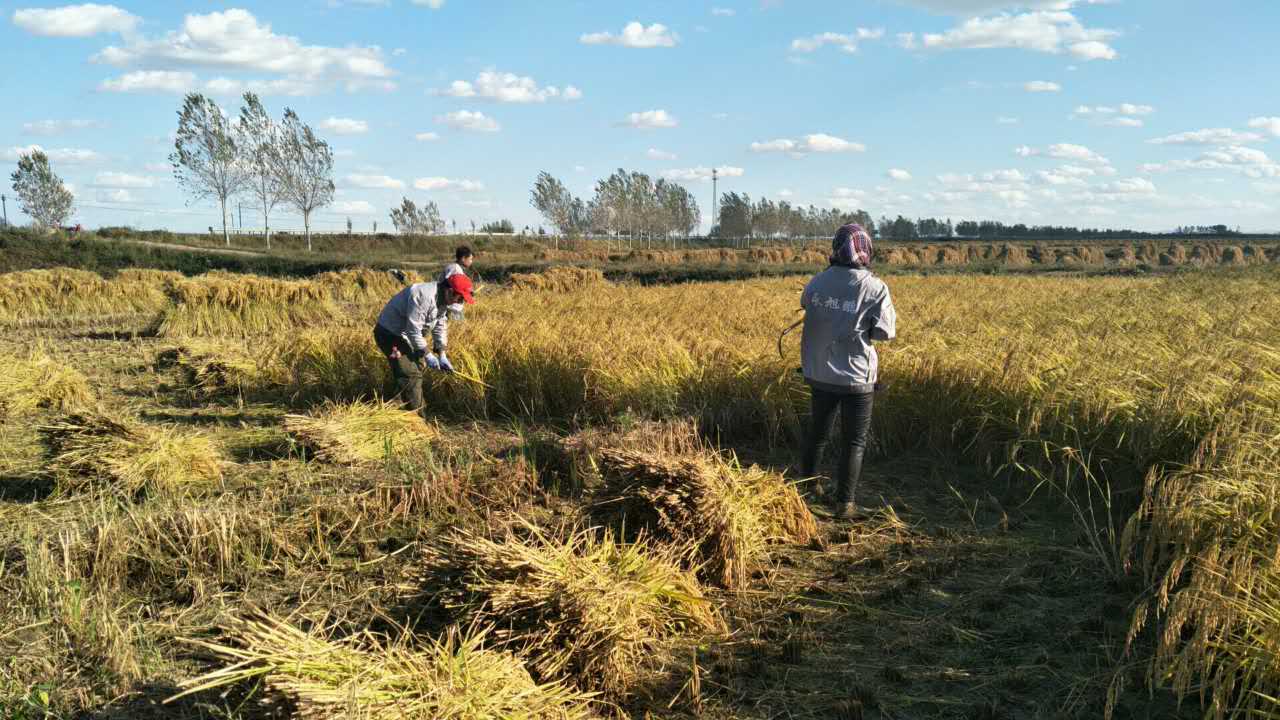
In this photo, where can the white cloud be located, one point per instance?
(469, 120)
(1250, 162)
(635, 35)
(352, 207)
(121, 180)
(49, 128)
(433, 4)
(579, 168)
(427, 137)
(785, 193)
(75, 20)
(815, 143)
(1005, 120)
(168, 81)
(656, 154)
(846, 42)
(69, 156)
(508, 88)
(1128, 186)
(1040, 86)
(1267, 124)
(235, 40)
(115, 196)
(702, 173)
(376, 182)
(345, 126)
(899, 175)
(1129, 122)
(723, 12)
(1131, 109)
(1268, 188)
(443, 183)
(1052, 31)
(650, 119)
(1208, 136)
(1060, 178)
(157, 167)
(1079, 153)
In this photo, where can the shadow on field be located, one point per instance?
(959, 598)
(27, 487)
(243, 701)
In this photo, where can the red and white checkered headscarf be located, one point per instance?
(851, 247)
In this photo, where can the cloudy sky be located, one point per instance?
(1134, 113)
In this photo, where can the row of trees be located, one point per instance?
(217, 157)
(742, 218)
(625, 203)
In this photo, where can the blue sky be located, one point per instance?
(1132, 113)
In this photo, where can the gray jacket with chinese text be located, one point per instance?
(845, 309)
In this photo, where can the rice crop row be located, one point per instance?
(60, 294)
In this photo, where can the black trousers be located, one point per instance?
(406, 372)
(855, 425)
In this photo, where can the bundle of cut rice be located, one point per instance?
(560, 278)
(455, 678)
(587, 607)
(37, 381)
(360, 432)
(213, 369)
(88, 449)
(721, 514)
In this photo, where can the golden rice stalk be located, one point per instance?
(722, 514)
(244, 305)
(562, 278)
(455, 678)
(587, 607)
(61, 294)
(360, 432)
(88, 449)
(38, 381)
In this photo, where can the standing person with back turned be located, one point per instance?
(400, 328)
(846, 308)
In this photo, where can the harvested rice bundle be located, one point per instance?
(360, 432)
(587, 607)
(456, 678)
(563, 278)
(37, 381)
(227, 304)
(60, 294)
(721, 514)
(87, 449)
(211, 370)
(363, 284)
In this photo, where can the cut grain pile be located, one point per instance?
(363, 284)
(60, 294)
(327, 364)
(455, 678)
(1014, 255)
(360, 432)
(587, 608)
(718, 515)
(243, 305)
(38, 382)
(86, 450)
(564, 278)
(211, 370)
(1232, 255)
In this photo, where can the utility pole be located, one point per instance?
(4, 201)
(715, 195)
(240, 210)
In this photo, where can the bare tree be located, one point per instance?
(410, 219)
(205, 158)
(41, 192)
(304, 169)
(260, 149)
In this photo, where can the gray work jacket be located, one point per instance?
(413, 309)
(845, 309)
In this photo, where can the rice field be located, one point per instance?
(207, 508)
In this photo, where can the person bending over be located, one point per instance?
(399, 333)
